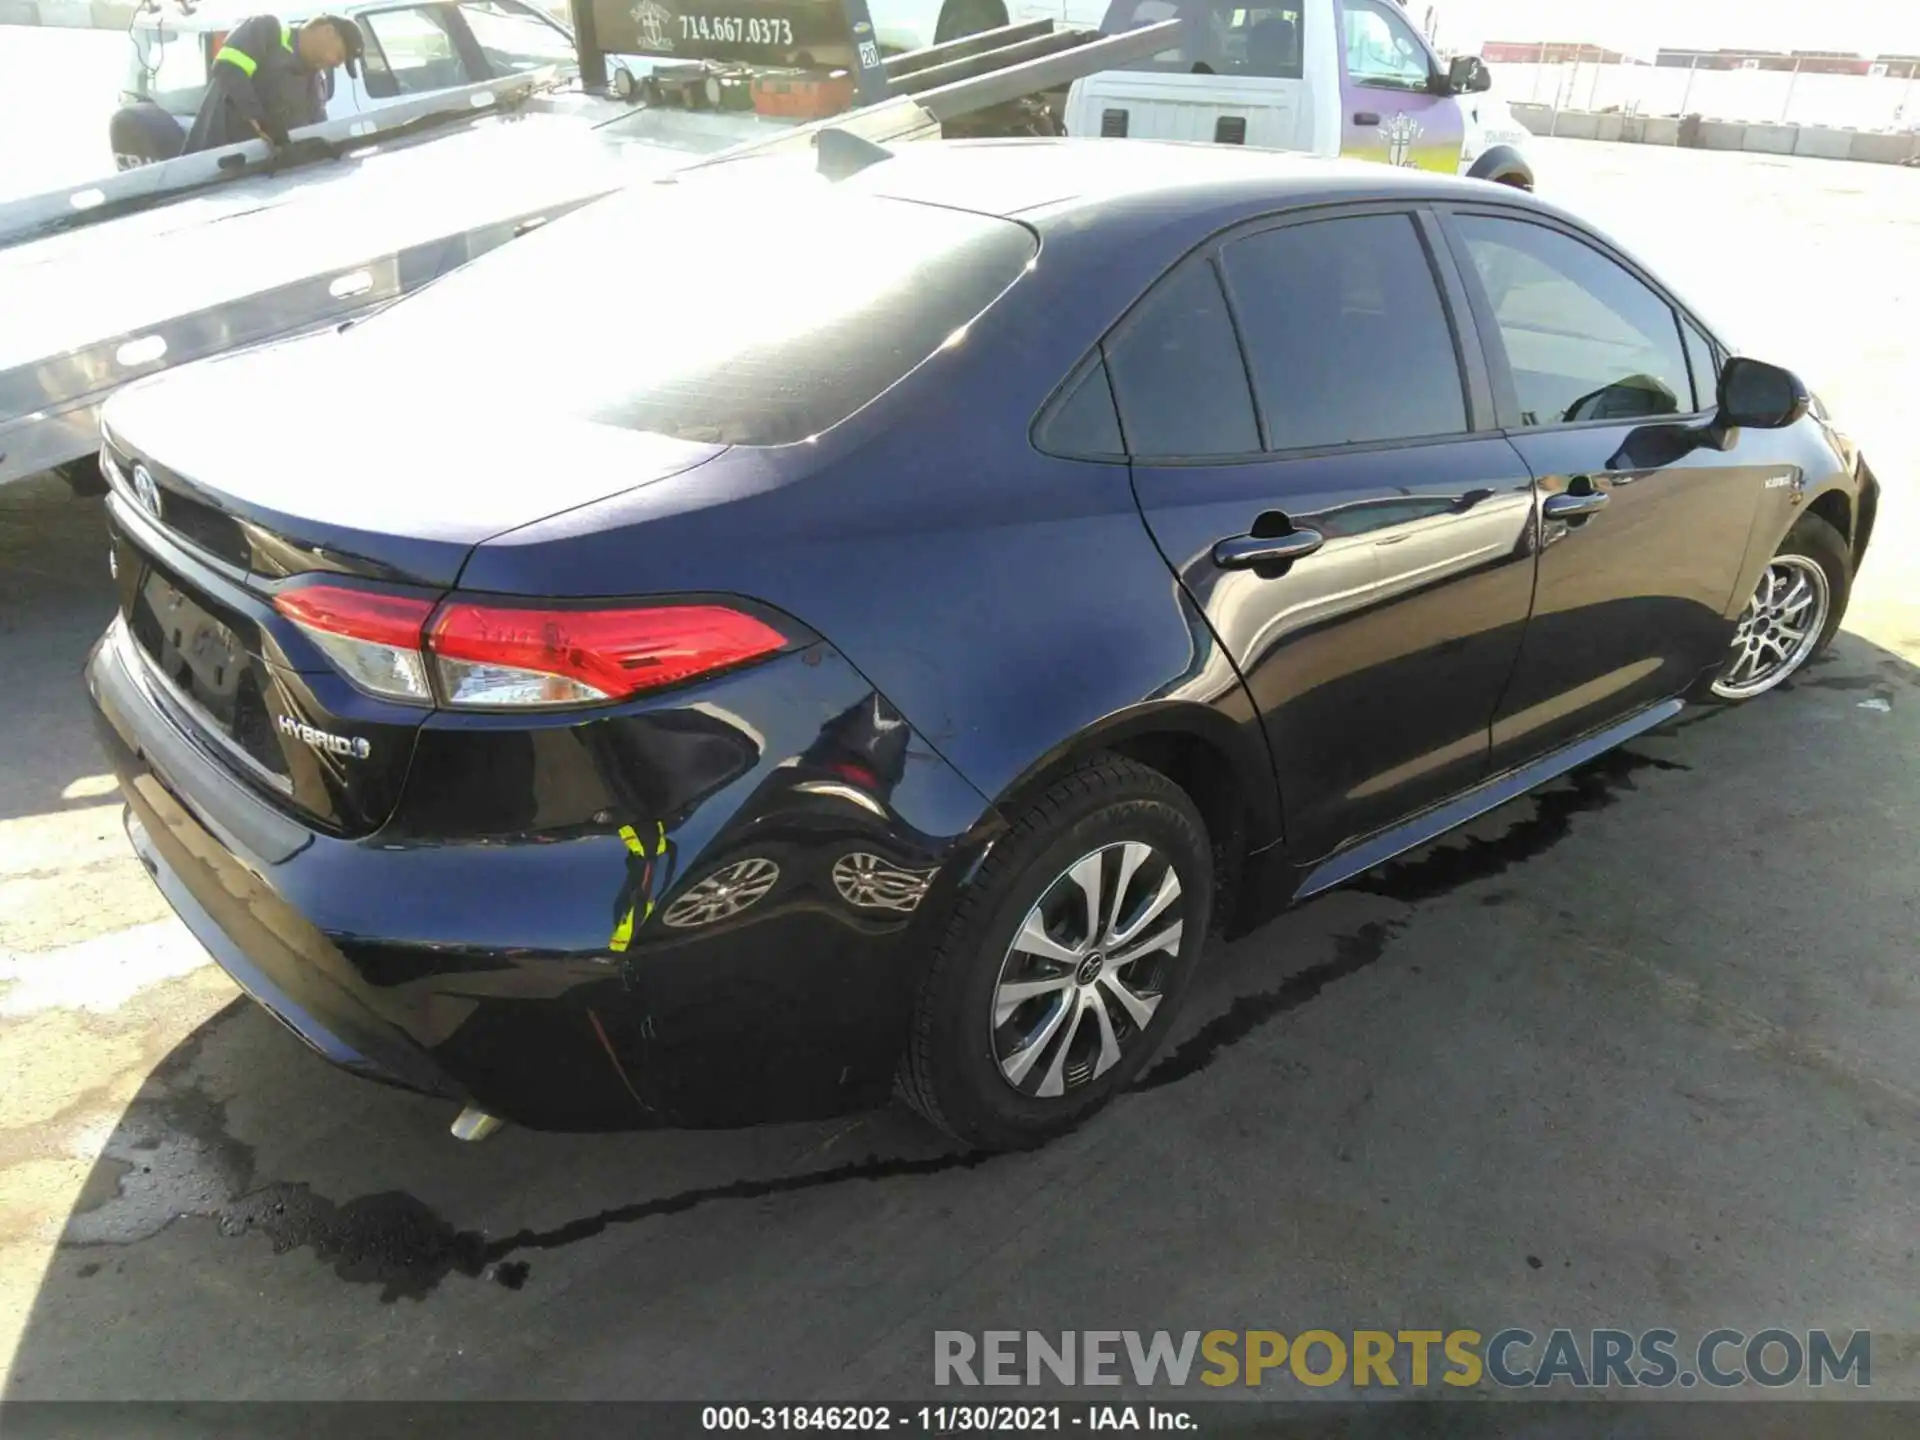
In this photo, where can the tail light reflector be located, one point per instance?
(373, 636)
(483, 656)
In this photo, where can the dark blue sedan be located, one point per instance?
(773, 638)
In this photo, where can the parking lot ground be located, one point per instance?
(1640, 1050)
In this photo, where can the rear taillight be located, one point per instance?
(491, 656)
(474, 655)
(373, 636)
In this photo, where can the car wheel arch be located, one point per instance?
(1224, 771)
(1503, 165)
(1834, 506)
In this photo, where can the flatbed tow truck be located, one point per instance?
(153, 267)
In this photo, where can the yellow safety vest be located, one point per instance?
(244, 62)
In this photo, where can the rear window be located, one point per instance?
(749, 311)
(1218, 37)
(168, 67)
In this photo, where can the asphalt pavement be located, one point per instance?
(1640, 1050)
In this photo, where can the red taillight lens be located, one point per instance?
(514, 657)
(371, 635)
(492, 656)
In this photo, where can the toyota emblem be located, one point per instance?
(146, 491)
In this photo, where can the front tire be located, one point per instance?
(1064, 962)
(1792, 616)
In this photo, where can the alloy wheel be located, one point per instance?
(1086, 970)
(723, 894)
(1778, 630)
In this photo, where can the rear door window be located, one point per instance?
(1178, 377)
(1084, 424)
(1345, 333)
(1220, 37)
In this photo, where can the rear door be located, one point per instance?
(1312, 389)
(1389, 112)
(1643, 529)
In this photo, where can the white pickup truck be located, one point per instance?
(1328, 77)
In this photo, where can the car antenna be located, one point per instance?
(843, 153)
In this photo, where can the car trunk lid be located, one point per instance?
(220, 503)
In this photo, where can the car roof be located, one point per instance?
(1045, 180)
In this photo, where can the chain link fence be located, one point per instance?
(1757, 88)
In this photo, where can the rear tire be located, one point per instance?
(144, 134)
(1792, 616)
(1029, 1019)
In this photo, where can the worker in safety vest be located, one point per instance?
(267, 79)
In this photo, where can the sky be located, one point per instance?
(1639, 27)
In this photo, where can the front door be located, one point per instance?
(1307, 459)
(1389, 112)
(1643, 528)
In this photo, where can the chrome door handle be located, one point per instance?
(1569, 504)
(1243, 552)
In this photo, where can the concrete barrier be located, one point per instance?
(1819, 142)
(1770, 139)
(1537, 118)
(1823, 142)
(19, 12)
(1883, 149)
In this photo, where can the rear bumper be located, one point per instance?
(492, 968)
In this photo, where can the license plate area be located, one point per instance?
(201, 670)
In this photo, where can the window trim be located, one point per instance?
(1200, 256)
(1493, 344)
(1094, 359)
(1477, 391)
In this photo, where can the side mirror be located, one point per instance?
(1468, 75)
(1761, 396)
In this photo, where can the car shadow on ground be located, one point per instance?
(247, 1190)
(55, 598)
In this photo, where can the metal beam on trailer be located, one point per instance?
(1048, 72)
(914, 61)
(967, 67)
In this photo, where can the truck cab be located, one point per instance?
(1327, 77)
